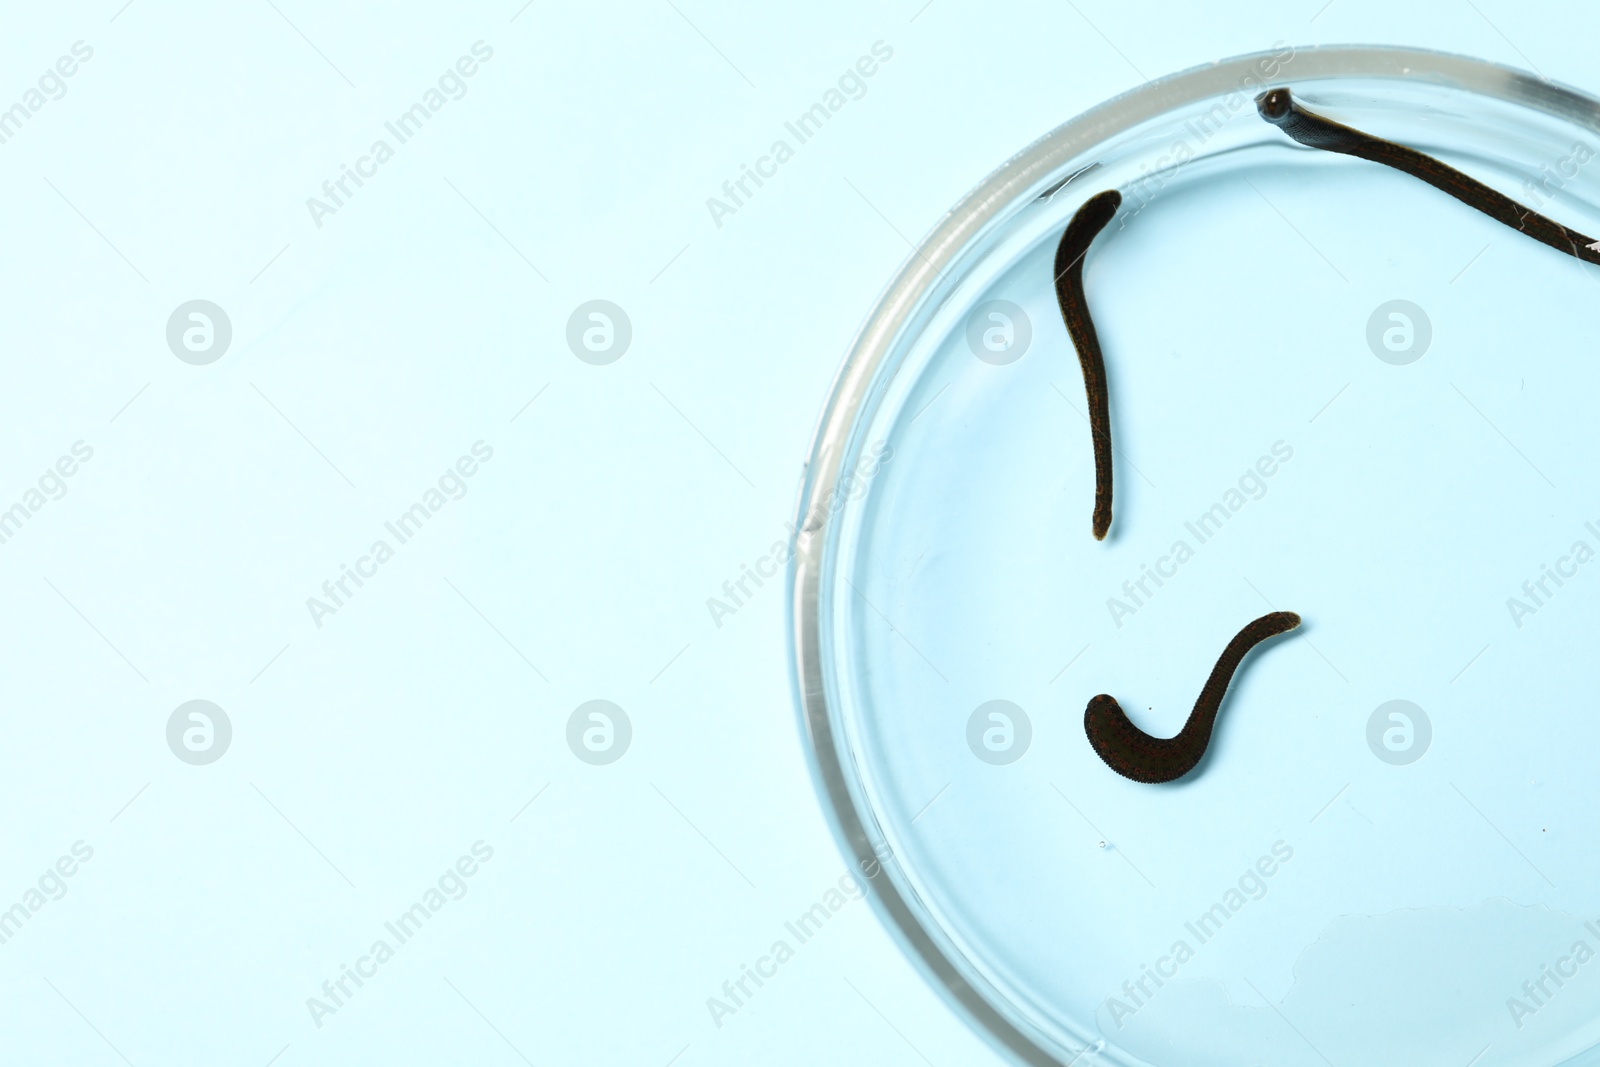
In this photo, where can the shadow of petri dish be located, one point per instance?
(1334, 391)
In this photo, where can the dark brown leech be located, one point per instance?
(1134, 754)
(1090, 219)
(1278, 107)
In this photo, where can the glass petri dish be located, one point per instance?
(1334, 390)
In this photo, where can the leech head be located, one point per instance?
(1104, 206)
(1275, 105)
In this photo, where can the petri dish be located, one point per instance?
(1334, 390)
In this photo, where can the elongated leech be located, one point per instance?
(1134, 754)
(1278, 107)
(1090, 219)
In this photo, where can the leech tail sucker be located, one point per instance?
(1081, 231)
(1134, 754)
(1279, 107)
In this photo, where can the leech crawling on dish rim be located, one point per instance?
(1086, 224)
(1279, 107)
(1134, 754)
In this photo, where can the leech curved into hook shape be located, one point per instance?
(1086, 224)
(1278, 107)
(1134, 754)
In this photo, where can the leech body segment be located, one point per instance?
(1278, 107)
(1134, 754)
(1086, 224)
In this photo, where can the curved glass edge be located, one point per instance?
(927, 276)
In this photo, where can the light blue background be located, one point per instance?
(368, 354)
